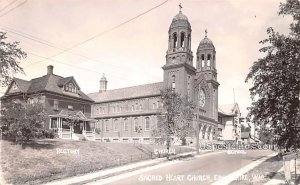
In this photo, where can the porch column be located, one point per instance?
(211, 135)
(205, 133)
(200, 132)
(50, 122)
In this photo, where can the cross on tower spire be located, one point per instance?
(180, 7)
(205, 32)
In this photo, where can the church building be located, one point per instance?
(128, 114)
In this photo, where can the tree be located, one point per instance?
(22, 121)
(266, 135)
(9, 56)
(174, 119)
(276, 84)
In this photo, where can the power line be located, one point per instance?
(58, 61)
(104, 32)
(12, 2)
(13, 8)
(47, 43)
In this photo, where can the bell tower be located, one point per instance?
(178, 70)
(206, 67)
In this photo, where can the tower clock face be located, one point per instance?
(201, 98)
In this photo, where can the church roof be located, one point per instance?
(206, 43)
(139, 91)
(180, 20)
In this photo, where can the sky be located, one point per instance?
(85, 42)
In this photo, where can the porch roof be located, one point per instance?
(72, 115)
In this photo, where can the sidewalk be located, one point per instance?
(115, 171)
(279, 178)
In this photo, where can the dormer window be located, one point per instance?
(70, 87)
(14, 86)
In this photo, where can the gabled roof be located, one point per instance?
(49, 83)
(228, 109)
(22, 84)
(66, 80)
(152, 89)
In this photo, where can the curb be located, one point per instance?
(102, 174)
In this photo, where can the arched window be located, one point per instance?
(173, 83)
(208, 59)
(188, 86)
(115, 124)
(147, 123)
(106, 126)
(202, 60)
(135, 124)
(174, 40)
(189, 41)
(182, 40)
(125, 124)
(154, 106)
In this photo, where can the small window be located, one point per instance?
(83, 109)
(174, 40)
(208, 60)
(132, 108)
(154, 106)
(182, 40)
(55, 105)
(202, 60)
(70, 107)
(173, 83)
(115, 123)
(136, 125)
(106, 126)
(141, 107)
(125, 125)
(147, 123)
(53, 123)
(14, 86)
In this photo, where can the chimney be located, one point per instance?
(50, 70)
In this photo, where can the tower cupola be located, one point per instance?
(179, 45)
(206, 55)
(103, 84)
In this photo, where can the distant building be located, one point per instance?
(230, 122)
(61, 98)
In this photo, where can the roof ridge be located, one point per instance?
(135, 86)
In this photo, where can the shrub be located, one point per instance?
(48, 134)
(97, 130)
(22, 121)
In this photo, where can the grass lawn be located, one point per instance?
(262, 173)
(47, 160)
